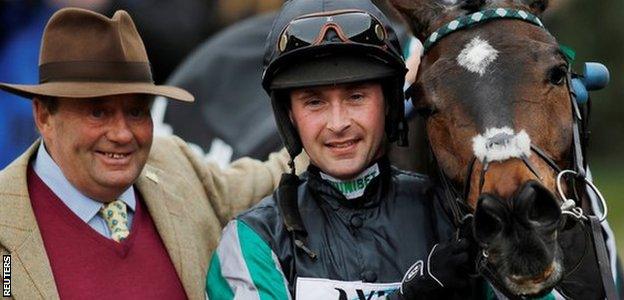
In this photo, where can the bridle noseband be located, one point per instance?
(456, 202)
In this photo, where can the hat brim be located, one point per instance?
(95, 89)
(332, 69)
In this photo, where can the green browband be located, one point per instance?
(477, 18)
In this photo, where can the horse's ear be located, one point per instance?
(425, 16)
(472, 5)
(537, 7)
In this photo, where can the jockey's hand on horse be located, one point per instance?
(445, 268)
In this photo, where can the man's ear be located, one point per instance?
(41, 114)
(386, 107)
(292, 119)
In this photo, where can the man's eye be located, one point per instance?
(97, 113)
(136, 112)
(313, 102)
(356, 97)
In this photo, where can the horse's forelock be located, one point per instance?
(425, 16)
(536, 7)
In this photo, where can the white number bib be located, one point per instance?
(320, 288)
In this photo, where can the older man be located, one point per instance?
(97, 208)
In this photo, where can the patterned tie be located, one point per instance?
(117, 219)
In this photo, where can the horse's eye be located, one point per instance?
(416, 93)
(426, 111)
(557, 75)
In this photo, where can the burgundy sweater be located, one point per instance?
(87, 265)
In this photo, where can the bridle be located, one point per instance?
(455, 202)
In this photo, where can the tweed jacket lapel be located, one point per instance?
(20, 235)
(166, 206)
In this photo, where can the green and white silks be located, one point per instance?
(244, 267)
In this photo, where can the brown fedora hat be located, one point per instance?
(85, 55)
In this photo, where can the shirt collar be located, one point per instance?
(355, 187)
(84, 207)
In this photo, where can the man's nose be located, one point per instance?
(119, 131)
(339, 119)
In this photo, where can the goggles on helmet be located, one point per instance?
(350, 26)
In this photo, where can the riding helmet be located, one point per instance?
(322, 42)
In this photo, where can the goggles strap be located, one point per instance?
(323, 33)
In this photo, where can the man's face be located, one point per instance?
(341, 126)
(100, 144)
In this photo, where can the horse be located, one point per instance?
(508, 137)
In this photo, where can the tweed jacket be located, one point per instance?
(189, 201)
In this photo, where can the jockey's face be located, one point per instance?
(341, 126)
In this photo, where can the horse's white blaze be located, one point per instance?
(477, 55)
(517, 146)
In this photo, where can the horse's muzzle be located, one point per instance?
(520, 235)
(531, 208)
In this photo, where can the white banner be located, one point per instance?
(320, 288)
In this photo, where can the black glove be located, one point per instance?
(446, 267)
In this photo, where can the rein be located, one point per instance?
(455, 202)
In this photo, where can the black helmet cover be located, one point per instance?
(332, 62)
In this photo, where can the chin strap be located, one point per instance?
(289, 208)
(286, 197)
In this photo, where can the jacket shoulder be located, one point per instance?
(165, 148)
(264, 217)
(412, 181)
(172, 154)
(13, 177)
(409, 175)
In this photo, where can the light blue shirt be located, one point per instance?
(84, 207)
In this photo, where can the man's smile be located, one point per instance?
(342, 146)
(116, 158)
(342, 143)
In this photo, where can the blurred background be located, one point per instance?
(213, 48)
(595, 29)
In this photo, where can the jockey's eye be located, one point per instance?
(557, 75)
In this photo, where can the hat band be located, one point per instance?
(93, 71)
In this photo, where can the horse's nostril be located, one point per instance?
(490, 218)
(534, 205)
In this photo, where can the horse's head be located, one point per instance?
(492, 92)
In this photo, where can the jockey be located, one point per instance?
(352, 226)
